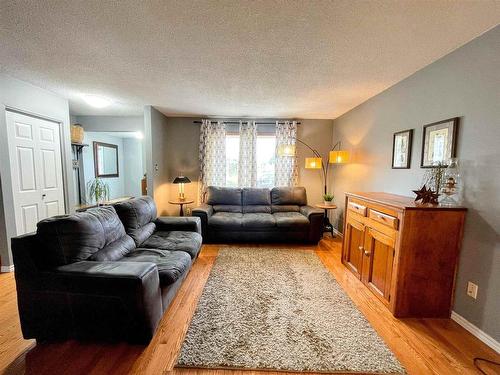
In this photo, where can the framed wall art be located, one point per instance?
(401, 149)
(439, 142)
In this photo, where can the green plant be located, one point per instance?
(98, 190)
(328, 197)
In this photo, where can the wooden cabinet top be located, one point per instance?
(399, 202)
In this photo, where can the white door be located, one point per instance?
(36, 169)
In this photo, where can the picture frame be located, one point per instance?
(105, 160)
(401, 149)
(439, 142)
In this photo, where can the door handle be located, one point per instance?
(367, 253)
(44, 195)
(360, 248)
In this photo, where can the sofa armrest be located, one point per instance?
(105, 299)
(203, 212)
(187, 224)
(309, 210)
(316, 217)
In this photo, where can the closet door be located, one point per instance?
(36, 169)
(378, 260)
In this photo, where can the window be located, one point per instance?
(232, 157)
(266, 149)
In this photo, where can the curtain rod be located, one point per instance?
(237, 122)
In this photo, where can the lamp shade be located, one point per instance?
(313, 163)
(181, 180)
(339, 157)
(286, 150)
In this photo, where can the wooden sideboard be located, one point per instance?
(405, 253)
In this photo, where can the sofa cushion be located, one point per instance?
(137, 215)
(76, 237)
(221, 195)
(257, 209)
(285, 208)
(290, 219)
(258, 220)
(171, 264)
(289, 196)
(226, 220)
(227, 208)
(255, 196)
(189, 242)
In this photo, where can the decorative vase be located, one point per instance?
(328, 203)
(452, 184)
(77, 133)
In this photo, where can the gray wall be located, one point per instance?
(110, 123)
(16, 94)
(181, 154)
(155, 140)
(133, 169)
(463, 84)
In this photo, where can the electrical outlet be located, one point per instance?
(188, 211)
(472, 289)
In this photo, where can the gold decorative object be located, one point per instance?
(77, 133)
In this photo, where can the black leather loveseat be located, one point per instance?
(109, 272)
(251, 214)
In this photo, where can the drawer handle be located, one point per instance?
(381, 217)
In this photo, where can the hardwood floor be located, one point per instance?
(424, 346)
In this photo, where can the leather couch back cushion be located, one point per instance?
(137, 215)
(254, 196)
(77, 237)
(223, 196)
(226, 208)
(289, 196)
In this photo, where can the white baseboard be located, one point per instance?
(484, 337)
(337, 233)
(7, 268)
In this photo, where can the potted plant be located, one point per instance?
(328, 199)
(98, 191)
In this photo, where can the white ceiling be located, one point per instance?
(304, 59)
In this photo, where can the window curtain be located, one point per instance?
(212, 155)
(285, 173)
(247, 165)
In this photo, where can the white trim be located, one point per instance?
(484, 337)
(337, 233)
(7, 268)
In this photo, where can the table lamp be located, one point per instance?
(181, 180)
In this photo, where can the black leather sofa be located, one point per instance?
(259, 215)
(106, 273)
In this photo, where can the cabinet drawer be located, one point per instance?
(358, 208)
(382, 218)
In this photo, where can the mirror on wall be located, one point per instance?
(106, 160)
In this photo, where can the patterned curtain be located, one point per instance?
(247, 165)
(286, 173)
(212, 155)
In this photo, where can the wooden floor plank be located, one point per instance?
(424, 346)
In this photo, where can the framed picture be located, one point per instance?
(439, 142)
(401, 149)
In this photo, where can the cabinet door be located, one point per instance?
(378, 259)
(353, 246)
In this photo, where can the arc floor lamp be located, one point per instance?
(335, 156)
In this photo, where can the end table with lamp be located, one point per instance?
(181, 200)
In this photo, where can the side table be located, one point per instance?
(327, 226)
(181, 204)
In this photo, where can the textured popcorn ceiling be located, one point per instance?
(308, 59)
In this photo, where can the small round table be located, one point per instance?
(327, 226)
(181, 204)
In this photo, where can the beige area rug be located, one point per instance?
(279, 309)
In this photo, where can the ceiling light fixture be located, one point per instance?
(97, 101)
